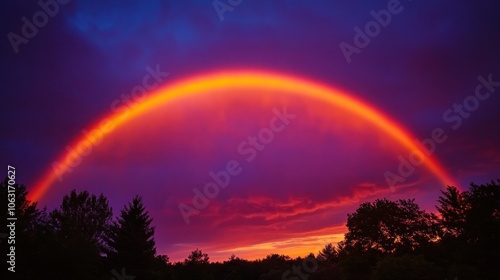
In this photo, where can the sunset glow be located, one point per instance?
(256, 80)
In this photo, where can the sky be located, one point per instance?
(250, 168)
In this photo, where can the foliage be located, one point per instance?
(390, 226)
(197, 257)
(329, 254)
(385, 240)
(131, 241)
(471, 230)
(406, 267)
(80, 225)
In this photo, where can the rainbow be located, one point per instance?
(255, 80)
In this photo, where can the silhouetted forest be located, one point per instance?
(385, 240)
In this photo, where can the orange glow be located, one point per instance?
(235, 80)
(292, 247)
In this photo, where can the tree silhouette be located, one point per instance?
(30, 238)
(234, 269)
(131, 241)
(406, 267)
(390, 226)
(452, 207)
(80, 225)
(471, 223)
(385, 240)
(197, 257)
(381, 228)
(329, 254)
(197, 266)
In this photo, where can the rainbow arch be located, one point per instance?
(245, 79)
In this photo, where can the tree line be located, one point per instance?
(385, 240)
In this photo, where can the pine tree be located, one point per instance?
(131, 241)
(25, 235)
